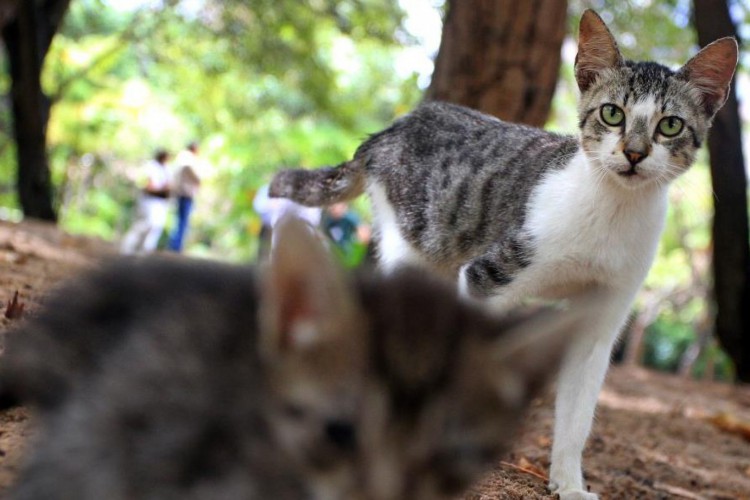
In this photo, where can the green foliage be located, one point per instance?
(8, 206)
(86, 18)
(353, 256)
(665, 343)
(645, 30)
(260, 84)
(714, 356)
(670, 337)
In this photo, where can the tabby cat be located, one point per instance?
(511, 211)
(161, 379)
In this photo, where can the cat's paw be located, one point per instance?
(571, 493)
(577, 495)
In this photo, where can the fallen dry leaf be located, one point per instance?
(527, 467)
(730, 423)
(526, 464)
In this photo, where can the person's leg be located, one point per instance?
(184, 207)
(151, 241)
(157, 218)
(133, 240)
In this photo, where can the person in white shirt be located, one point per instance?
(185, 186)
(153, 208)
(272, 210)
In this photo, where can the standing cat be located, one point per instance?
(160, 379)
(513, 211)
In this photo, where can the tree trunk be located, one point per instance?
(8, 10)
(731, 259)
(501, 57)
(27, 36)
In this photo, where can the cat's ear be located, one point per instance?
(597, 50)
(711, 71)
(305, 298)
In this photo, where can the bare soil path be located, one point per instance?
(656, 436)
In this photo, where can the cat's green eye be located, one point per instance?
(670, 126)
(612, 115)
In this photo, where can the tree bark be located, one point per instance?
(27, 35)
(8, 10)
(501, 57)
(731, 258)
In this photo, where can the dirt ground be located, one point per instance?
(655, 437)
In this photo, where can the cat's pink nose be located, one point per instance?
(634, 157)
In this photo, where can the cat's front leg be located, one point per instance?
(579, 383)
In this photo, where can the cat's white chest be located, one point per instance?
(588, 230)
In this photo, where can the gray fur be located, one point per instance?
(322, 187)
(636, 81)
(460, 181)
(151, 384)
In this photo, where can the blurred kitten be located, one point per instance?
(182, 380)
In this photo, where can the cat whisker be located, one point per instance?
(684, 181)
(600, 176)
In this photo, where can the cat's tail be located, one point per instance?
(320, 187)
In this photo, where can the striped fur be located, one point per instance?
(511, 211)
(168, 379)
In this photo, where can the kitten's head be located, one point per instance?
(642, 123)
(390, 388)
(313, 343)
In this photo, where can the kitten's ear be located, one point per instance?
(305, 299)
(535, 340)
(597, 50)
(711, 71)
